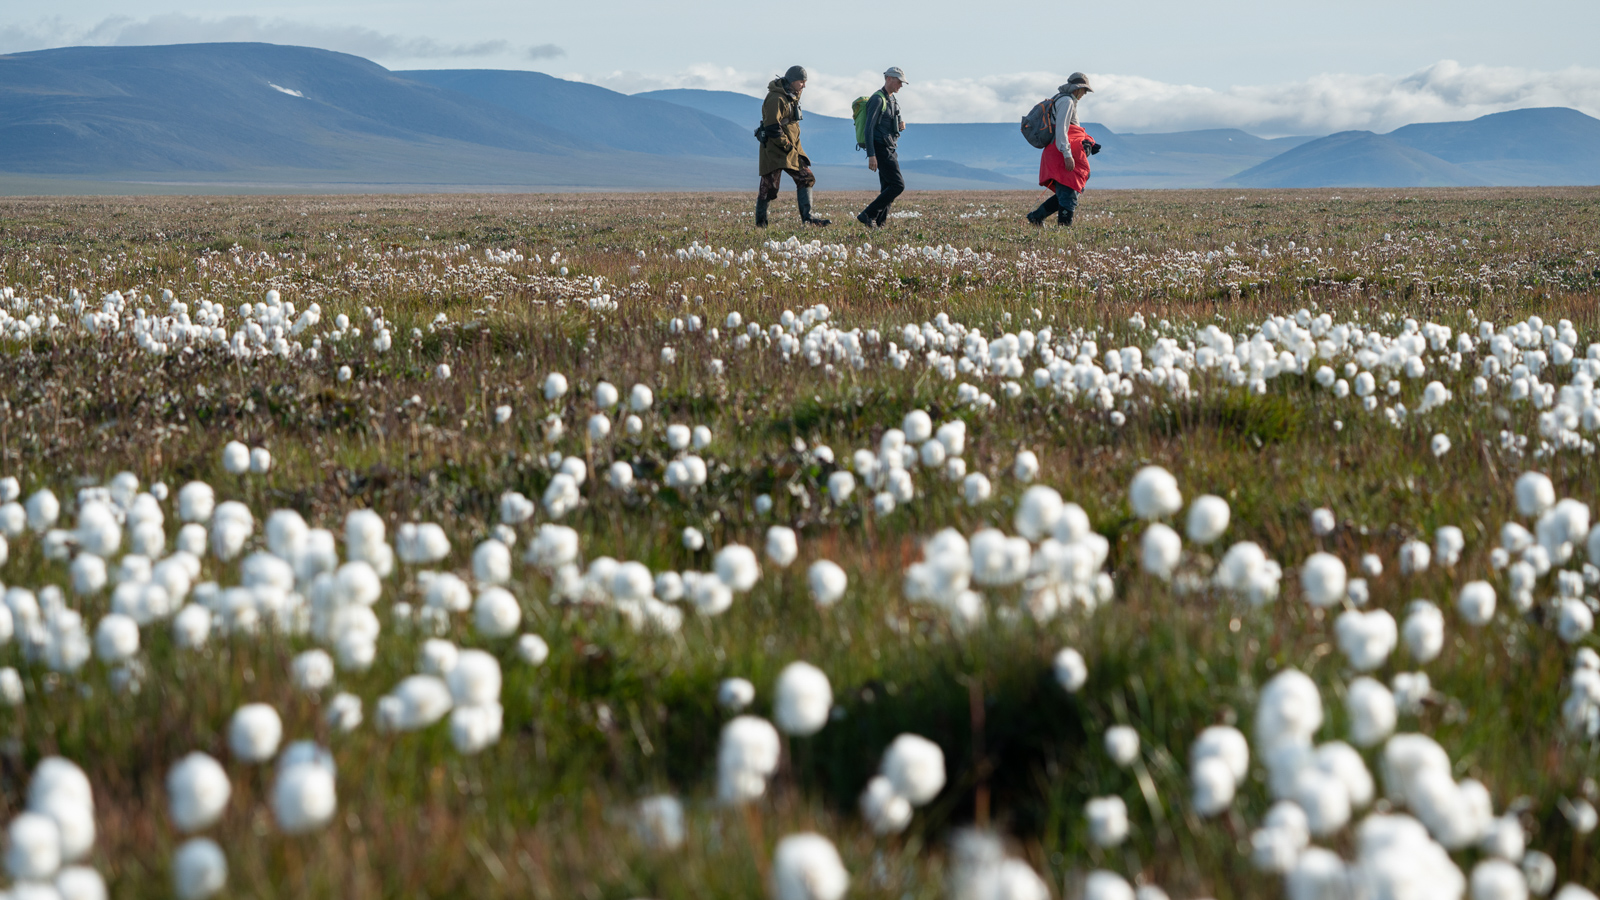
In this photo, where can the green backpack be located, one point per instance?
(858, 111)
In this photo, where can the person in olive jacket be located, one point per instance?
(780, 147)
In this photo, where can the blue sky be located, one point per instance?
(1282, 67)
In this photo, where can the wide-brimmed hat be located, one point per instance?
(896, 72)
(1075, 81)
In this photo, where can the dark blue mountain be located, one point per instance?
(1520, 147)
(599, 115)
(1354, 159)
(1523, 146)
(222, 107)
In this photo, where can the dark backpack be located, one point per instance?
(1039, 125)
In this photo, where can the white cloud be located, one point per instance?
(1445, 91)
(185, 29)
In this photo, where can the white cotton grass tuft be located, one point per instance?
(1289, 711)
(1105, 885)
(415, 703)
(735, 694)
(344, 713)
(1370, 710)
(914, 767)
(116, 638)
(254, 732)
(235, 458)
(33, 851)
(198, 790)
(1423, 631)
(1026, 467)
(1414, 556)
(736, 565)
(1154, 494)
(199, 869)
(1122, 745)
(1534, 493)
(474, 679)
(1213, 786)
(496, 613)
(43, 510)
(802, 699)
(1219, 759)
(532, 649)
(640, 398)
(1574, 621)
(1366, 638)
(885, 811)
(1071, 672)
(1448, 542)
(841, 485)
(658, 821)
(555, 386)
(1322, 578)
(1108, 820)
(1159, 550)
(806, 866)
(423, 543)
(492, 562)
(826, 582)
(1476, 602)
(976, 489)
(1322, 521)
(76, 883)
(1037, 512)
(782, 546)
(1246, 572)
(1208, 519)
(1496, 879)
(747, 753)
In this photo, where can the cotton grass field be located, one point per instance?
(1225, 545)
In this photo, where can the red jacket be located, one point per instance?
(1053, 167)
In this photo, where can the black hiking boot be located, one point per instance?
(761, 213)
(862, 218)
(803, 200)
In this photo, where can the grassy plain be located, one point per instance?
(615, 715)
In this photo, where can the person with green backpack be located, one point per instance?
(878, 127)
(781, 152)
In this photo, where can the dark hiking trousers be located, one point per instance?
(769, 182)
(890, 182)
(1062, 203)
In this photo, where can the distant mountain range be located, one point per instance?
(269, 117)
(1521, 147)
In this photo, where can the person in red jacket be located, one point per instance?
(1064, 164)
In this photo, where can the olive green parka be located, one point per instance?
(782, 151)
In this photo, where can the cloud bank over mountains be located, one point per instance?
(1444, 91)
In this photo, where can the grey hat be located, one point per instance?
(795, 73)
(896, 72)
(1074, 81)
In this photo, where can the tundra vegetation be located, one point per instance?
(1224, 545)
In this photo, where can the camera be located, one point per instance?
(1090, 147)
